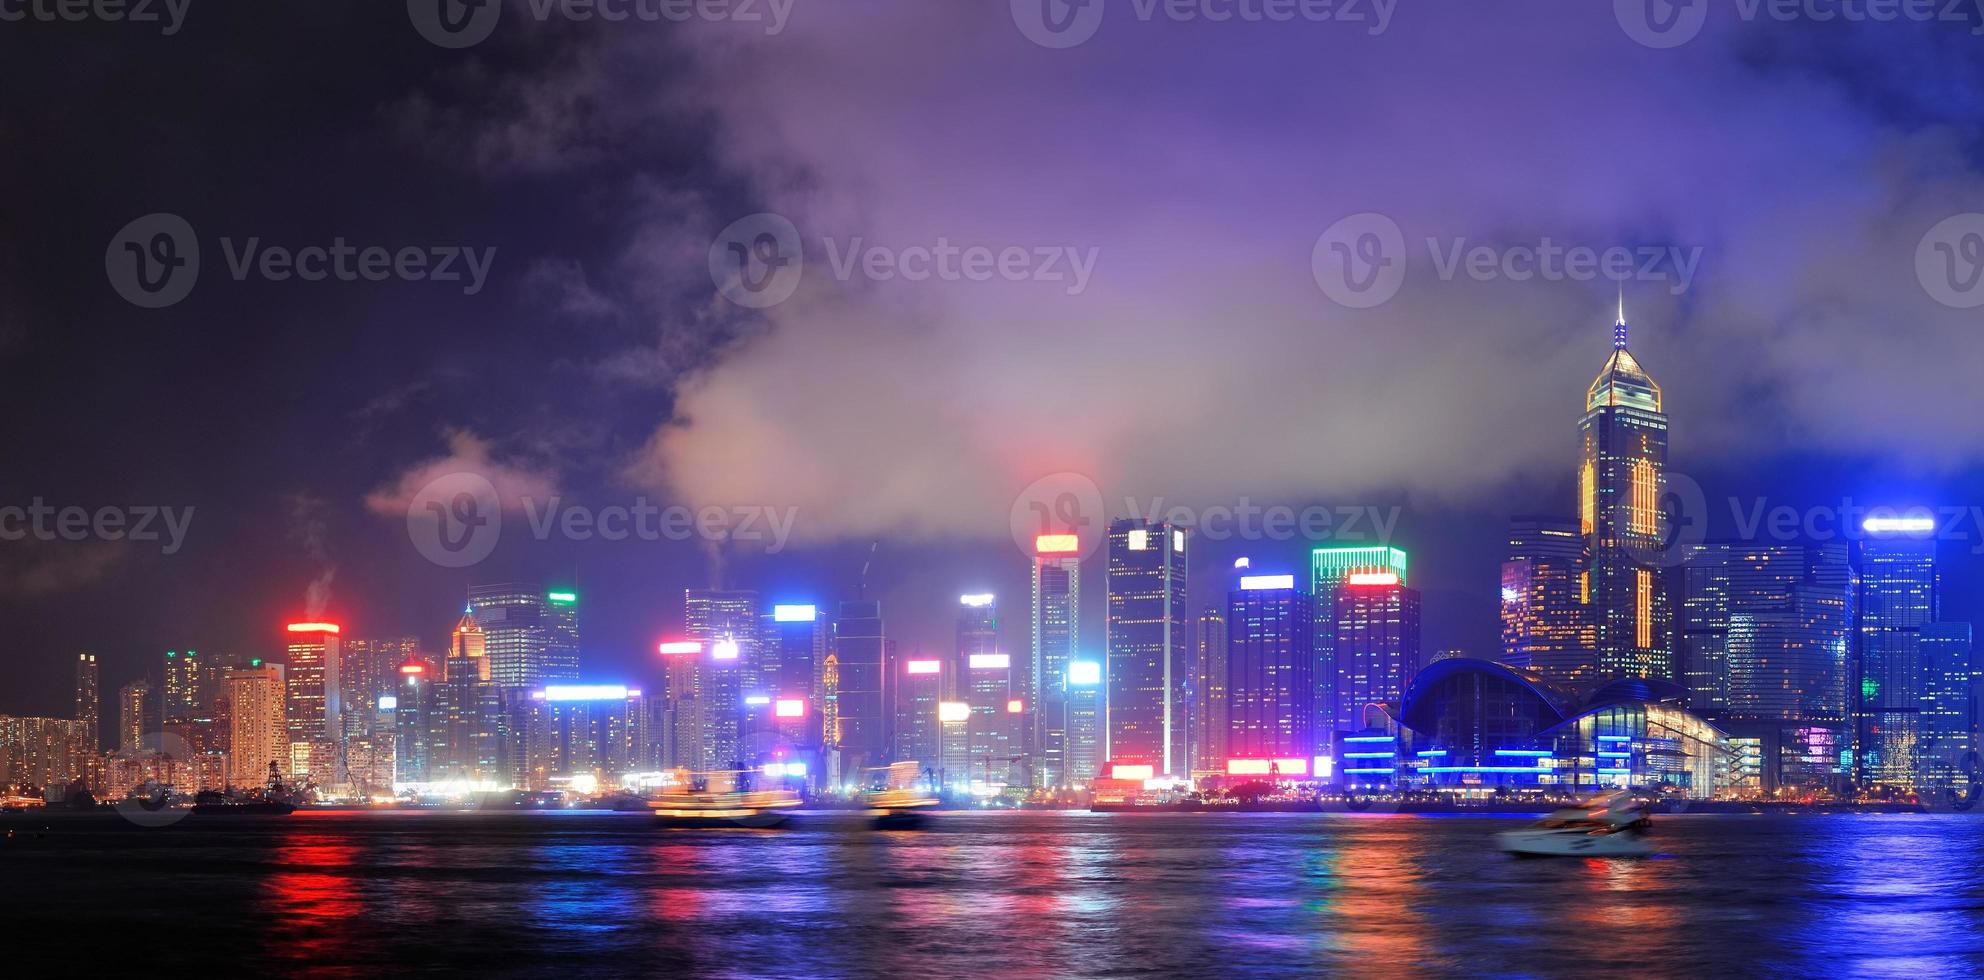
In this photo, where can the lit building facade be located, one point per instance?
(419, 725)
(919, 685)
(136, 715)
(1209, 714)
(473, 726)
(1270, 665)
(1329, 568)
(725, 624)
(180, 699)
(533, 633)
(1544, 620)
(1897, 600)
(44, 754)
(1377, 646)
(1147, 650)
(991, 684)
(1620, 482)
(258, 732)
(314, 706)
(583, 737)
(861, 705)
(1054, 629)
(1946, 761)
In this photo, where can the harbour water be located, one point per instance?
(993, 894)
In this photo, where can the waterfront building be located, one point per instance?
(1897, 599)
(919, 685)
(1477, 728)
(1376, 647)
(582, 737)
(1766, 638)
(1210, 696)
(472, 722)
(1270, 662)
(1545, 625)
(1054, 631)
(314, 705)
(1081, 699)
(1947, 759)
(1620, 481)
(726, 624)
(418, 723)
(992, 685)
(1329, 568)
(1147, 646)
(44, 754)
(258, 729)
(861, 703)
(368, 669)
(532, 633)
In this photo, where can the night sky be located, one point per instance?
(1804, 363)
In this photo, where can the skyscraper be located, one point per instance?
(1271, 639)
(368, 668)
(1329, 568)
(471, 708)
(89, 701)
(1544, 624)
(861, 698)
(314, 702)
(1620, 480)
(1054, 630)
(793, 643)
(1897, 599)
(1210, 711)
(991, 684)
(920, 684)
(135, 715)
(533, 634)
(179, 700)
(1376, 647)
(419, 724)
(1147, 645)
(1949, 722)
(726, 624)
(258, 731)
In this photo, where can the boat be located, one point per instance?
(1610, 825)
(271, 800)
(722, 804)
(897, 804)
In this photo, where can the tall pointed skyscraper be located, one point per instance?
(1619, 491)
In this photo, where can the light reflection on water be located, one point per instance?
(1018, 894)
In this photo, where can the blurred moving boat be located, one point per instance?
(1611, 825)
(722, 804)
(897, 803)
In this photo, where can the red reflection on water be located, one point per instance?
(1379, 892)
(311, 903)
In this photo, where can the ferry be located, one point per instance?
(898, 804)
(722, 804)
(1612, 825)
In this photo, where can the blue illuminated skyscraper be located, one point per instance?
(1054, 629)
(1897, 599)
(1270, 666)
(1147, 643)
(533, 633)
(1949, 721)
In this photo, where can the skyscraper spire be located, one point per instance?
(1619, 326)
